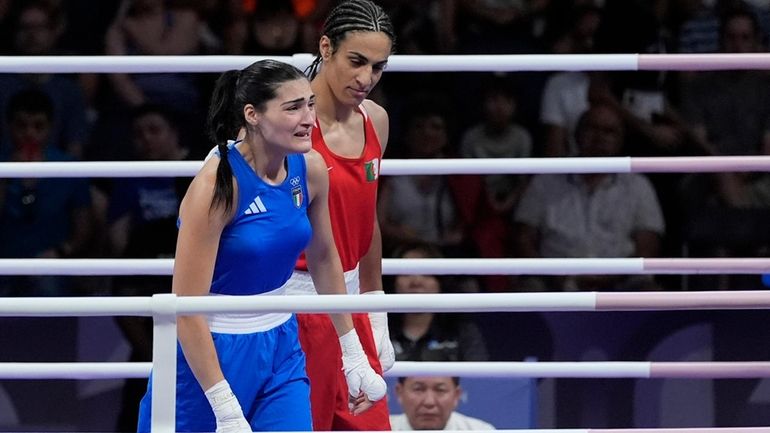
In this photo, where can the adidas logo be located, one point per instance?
(255, 207)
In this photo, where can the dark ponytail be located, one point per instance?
(255, 85)
(221, 125)
(352, 16)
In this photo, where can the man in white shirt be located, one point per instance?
(429, 403)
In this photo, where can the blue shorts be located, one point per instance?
(266, 371)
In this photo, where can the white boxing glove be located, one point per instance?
(226, 409)
(381, 336)
(358, 373)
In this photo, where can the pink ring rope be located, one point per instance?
(581, 369)
(691, 300)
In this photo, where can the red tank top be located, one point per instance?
(352, 195)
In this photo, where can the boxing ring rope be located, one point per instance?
(164, 308)
(459, 266)
(572, 370)
(396, 63)
(403, 303)
(398, 167)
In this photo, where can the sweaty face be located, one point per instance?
(356, 65)
(428, 401)
(289, 117)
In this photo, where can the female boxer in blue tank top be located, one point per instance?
(246, 217)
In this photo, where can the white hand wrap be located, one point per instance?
(381, 335)
(226, 409)
(358, 373)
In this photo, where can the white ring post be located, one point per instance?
(164, 310)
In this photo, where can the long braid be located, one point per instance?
(312, 70)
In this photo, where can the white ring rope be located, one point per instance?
(445, 302)
(460, 266)
(396, 63)
(137, 64)
(397, 167)
(597, 370)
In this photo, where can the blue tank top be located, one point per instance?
(260, 246)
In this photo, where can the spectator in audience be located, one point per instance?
(432, 336)
(565, 96)
(422, 208)
(312, 14)
(699, 27)
(564, 99)
(226, 26)
(574, 30)
(733, 116)
(746, 190)
(426, 27)
(142, 219)
(729, 113)
(429, 403)
(488, 202)
(275, 30)
(149, 27)
(263, 27)
(498, 26)
(39, 217)
(37, 28)
(643, 99)
(646, 100)
(498, 136)
(591, 215)
(736, 190)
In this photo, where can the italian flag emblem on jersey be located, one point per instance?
(372, 169)
(296, 197)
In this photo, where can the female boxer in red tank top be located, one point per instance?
(351, 133)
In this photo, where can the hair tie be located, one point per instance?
(223, 150)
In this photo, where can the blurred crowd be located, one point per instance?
(100, 117)
(97, 117)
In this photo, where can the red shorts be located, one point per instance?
(328, 388)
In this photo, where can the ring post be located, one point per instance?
(164, 309)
